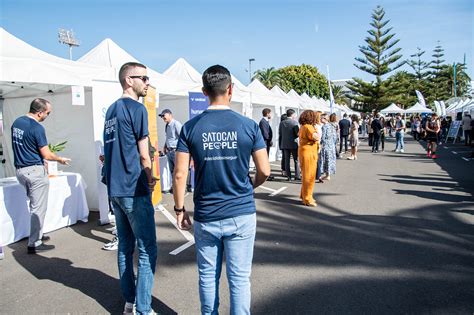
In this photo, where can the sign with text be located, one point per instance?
(198, 103)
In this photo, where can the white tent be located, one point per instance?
(392, 109)
(28, 72)
(288, 102)
(418, 109)
(261, 97)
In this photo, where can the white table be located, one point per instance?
(66, 205)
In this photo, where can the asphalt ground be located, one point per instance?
(392, 234)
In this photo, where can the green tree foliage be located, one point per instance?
(304, 79)
(403, 86)
(339, 96)
(269, 77)
(438, 87)
(463, 81)
(380, 57)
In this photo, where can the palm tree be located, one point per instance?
(269, 77)
(340, 96)
(462, 79)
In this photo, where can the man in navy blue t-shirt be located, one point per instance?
(221, 142)
(129, 182)
(30, 148)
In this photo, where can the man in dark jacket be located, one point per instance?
(344, 128)
(377, 127)
(288, 133)
(266, 130)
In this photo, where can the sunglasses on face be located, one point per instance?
(144, 78)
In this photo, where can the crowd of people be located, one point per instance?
(219, 143)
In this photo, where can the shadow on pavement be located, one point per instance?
(91, 282)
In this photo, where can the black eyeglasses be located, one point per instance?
(144, 78)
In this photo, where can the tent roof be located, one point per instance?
(24, 66)
(418, 108)
(182, 70)
(108, 54)
(392, 108)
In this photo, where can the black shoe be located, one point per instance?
(288, 179)
(39, 249)
(297, 178)
(45, 238)
(270, 178)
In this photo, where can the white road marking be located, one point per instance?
(186, 234)
(266, 188)
(445, 147)
(276, 192)
(454, 152)
(466, 159)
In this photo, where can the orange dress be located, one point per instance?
(308, 156)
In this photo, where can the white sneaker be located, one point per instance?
(114, 231)
(402, 151)
(113, 245)
(397, 150)
(129, 309)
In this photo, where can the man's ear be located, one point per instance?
(204, 92)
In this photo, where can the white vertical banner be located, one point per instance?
(77, 93)
(438, 108)
(331, 96)
(421, 99)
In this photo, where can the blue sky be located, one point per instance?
(276, 33)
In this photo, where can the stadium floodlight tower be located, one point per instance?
(67, 37)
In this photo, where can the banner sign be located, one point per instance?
(198, 103)
(150, 103)
(454, 130)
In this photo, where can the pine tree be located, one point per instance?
(421, 74)
(380, 57)
(438, 87)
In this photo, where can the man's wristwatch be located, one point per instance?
(179, 210)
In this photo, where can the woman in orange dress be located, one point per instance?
(308, 155)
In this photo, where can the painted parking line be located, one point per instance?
(274, 192)
(467, 159)
(186, 234)
(454, 152)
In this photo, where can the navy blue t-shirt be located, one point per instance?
(221, 143)
(126, 122)
(28, 136)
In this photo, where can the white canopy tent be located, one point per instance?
(262, 97)
(27, 73)
(392, 109)
(288, 102)
(418, 109)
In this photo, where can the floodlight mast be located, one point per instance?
(67, 37)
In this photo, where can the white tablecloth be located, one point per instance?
(66, 205)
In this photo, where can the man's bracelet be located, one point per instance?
(179, 210)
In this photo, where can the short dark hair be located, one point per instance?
(38, 105)
(266, 111)
(125, 70)
(308, 117)
(345, 115)
(283, 117)
(289, 112)
(215, 80)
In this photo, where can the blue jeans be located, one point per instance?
(135, 220)
(235, 237)
(399, 138)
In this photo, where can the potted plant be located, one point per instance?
(52, 166)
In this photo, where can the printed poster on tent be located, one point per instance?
(150, 103)
(198, 103)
